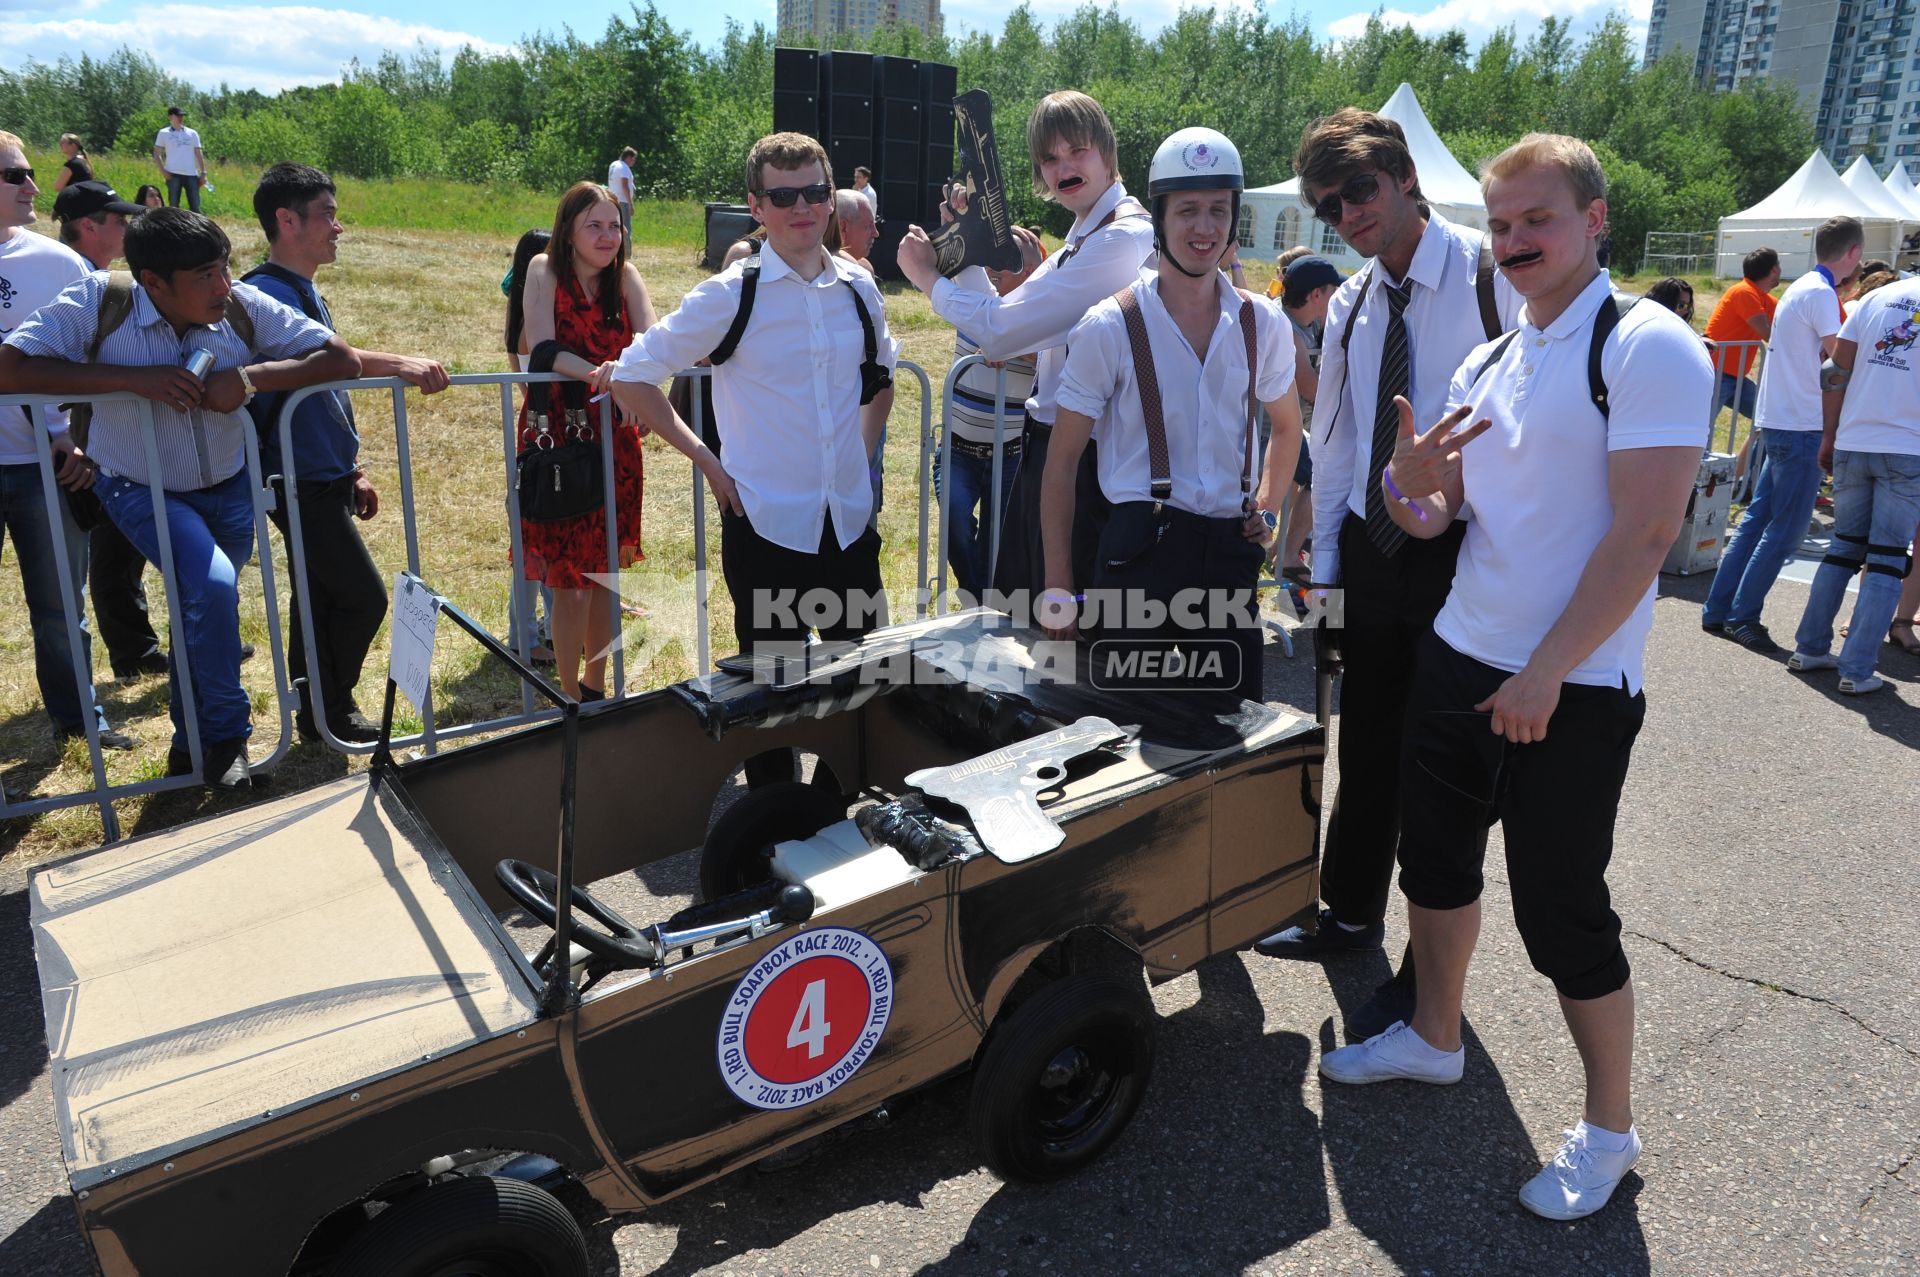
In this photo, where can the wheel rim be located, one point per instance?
(1079, 1091)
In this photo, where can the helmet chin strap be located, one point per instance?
(1160, 239)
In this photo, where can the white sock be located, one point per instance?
(1348, 926)
(1606, 1141)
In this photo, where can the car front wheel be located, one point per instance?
(1062, 1076)
(481, 1226)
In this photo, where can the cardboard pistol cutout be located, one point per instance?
(983, 235)
(1000, 791)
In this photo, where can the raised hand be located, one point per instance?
(1423, 464)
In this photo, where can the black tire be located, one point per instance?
(480, 1226)
(735, 856)
(1062, 1076)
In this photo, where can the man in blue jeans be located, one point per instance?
(1806, 326)
(1871, 443)
(33, 271)
(180, 308)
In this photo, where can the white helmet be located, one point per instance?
(1194, 159)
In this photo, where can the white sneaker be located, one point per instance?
(1580, 1178)
(1397, 1054)
(1861, 686)
(1804, 661)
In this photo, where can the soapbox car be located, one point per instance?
(303, 1037)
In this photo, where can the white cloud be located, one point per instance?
(266, 47)
(1480, 18)
(1149, 15)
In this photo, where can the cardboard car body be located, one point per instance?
(259, 1020)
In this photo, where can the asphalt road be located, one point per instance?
(1765, 868)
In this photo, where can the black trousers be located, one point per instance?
(780, 594)
(349, 595)
(1023, 555)
(1556, 800)
(119, 598)
(1202, 570)
(1390, 605)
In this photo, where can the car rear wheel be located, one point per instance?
(737, 850)
(480, 1226)
(1062, 1076)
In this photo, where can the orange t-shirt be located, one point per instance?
(1729, 323)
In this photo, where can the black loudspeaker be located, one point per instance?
(847, 154)
(848, 116)
(796, 70)
(725, 224)
(901, 121)
(795, 112)
(903, 202)
(939, 82)
(896, 77)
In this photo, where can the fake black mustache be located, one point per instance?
(1070, 183)
(1518, 259)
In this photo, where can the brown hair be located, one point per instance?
(1076, 120)
(1877, 279)
(1574, 158)
(1338, 146)
(1835, 236)
(579, 198)
(788, 151)
(78, 146)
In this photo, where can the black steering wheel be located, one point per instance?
(536, 890)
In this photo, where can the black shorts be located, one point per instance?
(1555, 799)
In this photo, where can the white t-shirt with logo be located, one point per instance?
(618, 172)
(34, 269)
(1538, 482)
(1881, 412)
(180, 145)
(1790, 382)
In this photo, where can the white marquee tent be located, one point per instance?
(1276, 220)
(1785, 220)
(1864, 182)
(1901, 187)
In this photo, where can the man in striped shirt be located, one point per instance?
(180, 308)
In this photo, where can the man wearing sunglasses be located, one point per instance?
(799, 403)
(1398, 327)
(33, 271)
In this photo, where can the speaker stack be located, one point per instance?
(893, 115)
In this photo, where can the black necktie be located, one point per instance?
(1394, 362)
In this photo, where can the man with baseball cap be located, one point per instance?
(93, 221)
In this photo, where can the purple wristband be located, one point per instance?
(1393, 490)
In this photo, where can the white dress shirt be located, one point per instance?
(1443, 324)
(1038, 315)
(1203, 402)
(788, 401)
(1538, 482)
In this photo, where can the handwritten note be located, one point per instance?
(416, 612)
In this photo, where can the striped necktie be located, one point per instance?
(1395, 359)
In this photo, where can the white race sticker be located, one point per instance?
(805, 1017)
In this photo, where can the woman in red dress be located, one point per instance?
(584, 293)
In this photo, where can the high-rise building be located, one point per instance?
(1854, 64)
(827, 18)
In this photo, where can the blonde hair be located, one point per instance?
(8, 139)
(1289, 257)
(787, 151)
(74, 138)
(1574, 158)
(1075, 119)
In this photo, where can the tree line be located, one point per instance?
(559, 107)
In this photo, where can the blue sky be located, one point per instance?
(267, 45)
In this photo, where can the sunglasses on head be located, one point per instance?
(784, 196)
(1364, 189)
(15, 176)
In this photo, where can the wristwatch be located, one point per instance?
(247, 383)
(1271, 519)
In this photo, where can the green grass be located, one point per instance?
(405, 203)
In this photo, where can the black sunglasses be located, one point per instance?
(1364, 189)
(784, 196)
(15, 176)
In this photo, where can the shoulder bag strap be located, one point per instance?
(1161, 470)
(1346, 336)
(115, 305)
(1251, 335)
(1604, 322)
(749, 284)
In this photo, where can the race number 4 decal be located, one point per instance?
(805, 1017)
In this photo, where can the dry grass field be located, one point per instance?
(437, 293)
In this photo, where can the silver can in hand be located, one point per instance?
(200, 363)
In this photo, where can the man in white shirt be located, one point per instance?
(1526, 699)
(176, 149)
(798, 407)
(1076, 164)
(1871, 443)
(1399, 326)
(1806, 325)
(863, 183)
(1179, 444)
(33, 271)
(620, 182)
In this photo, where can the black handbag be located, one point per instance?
(562, 475)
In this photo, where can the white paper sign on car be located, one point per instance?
(416, 611)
